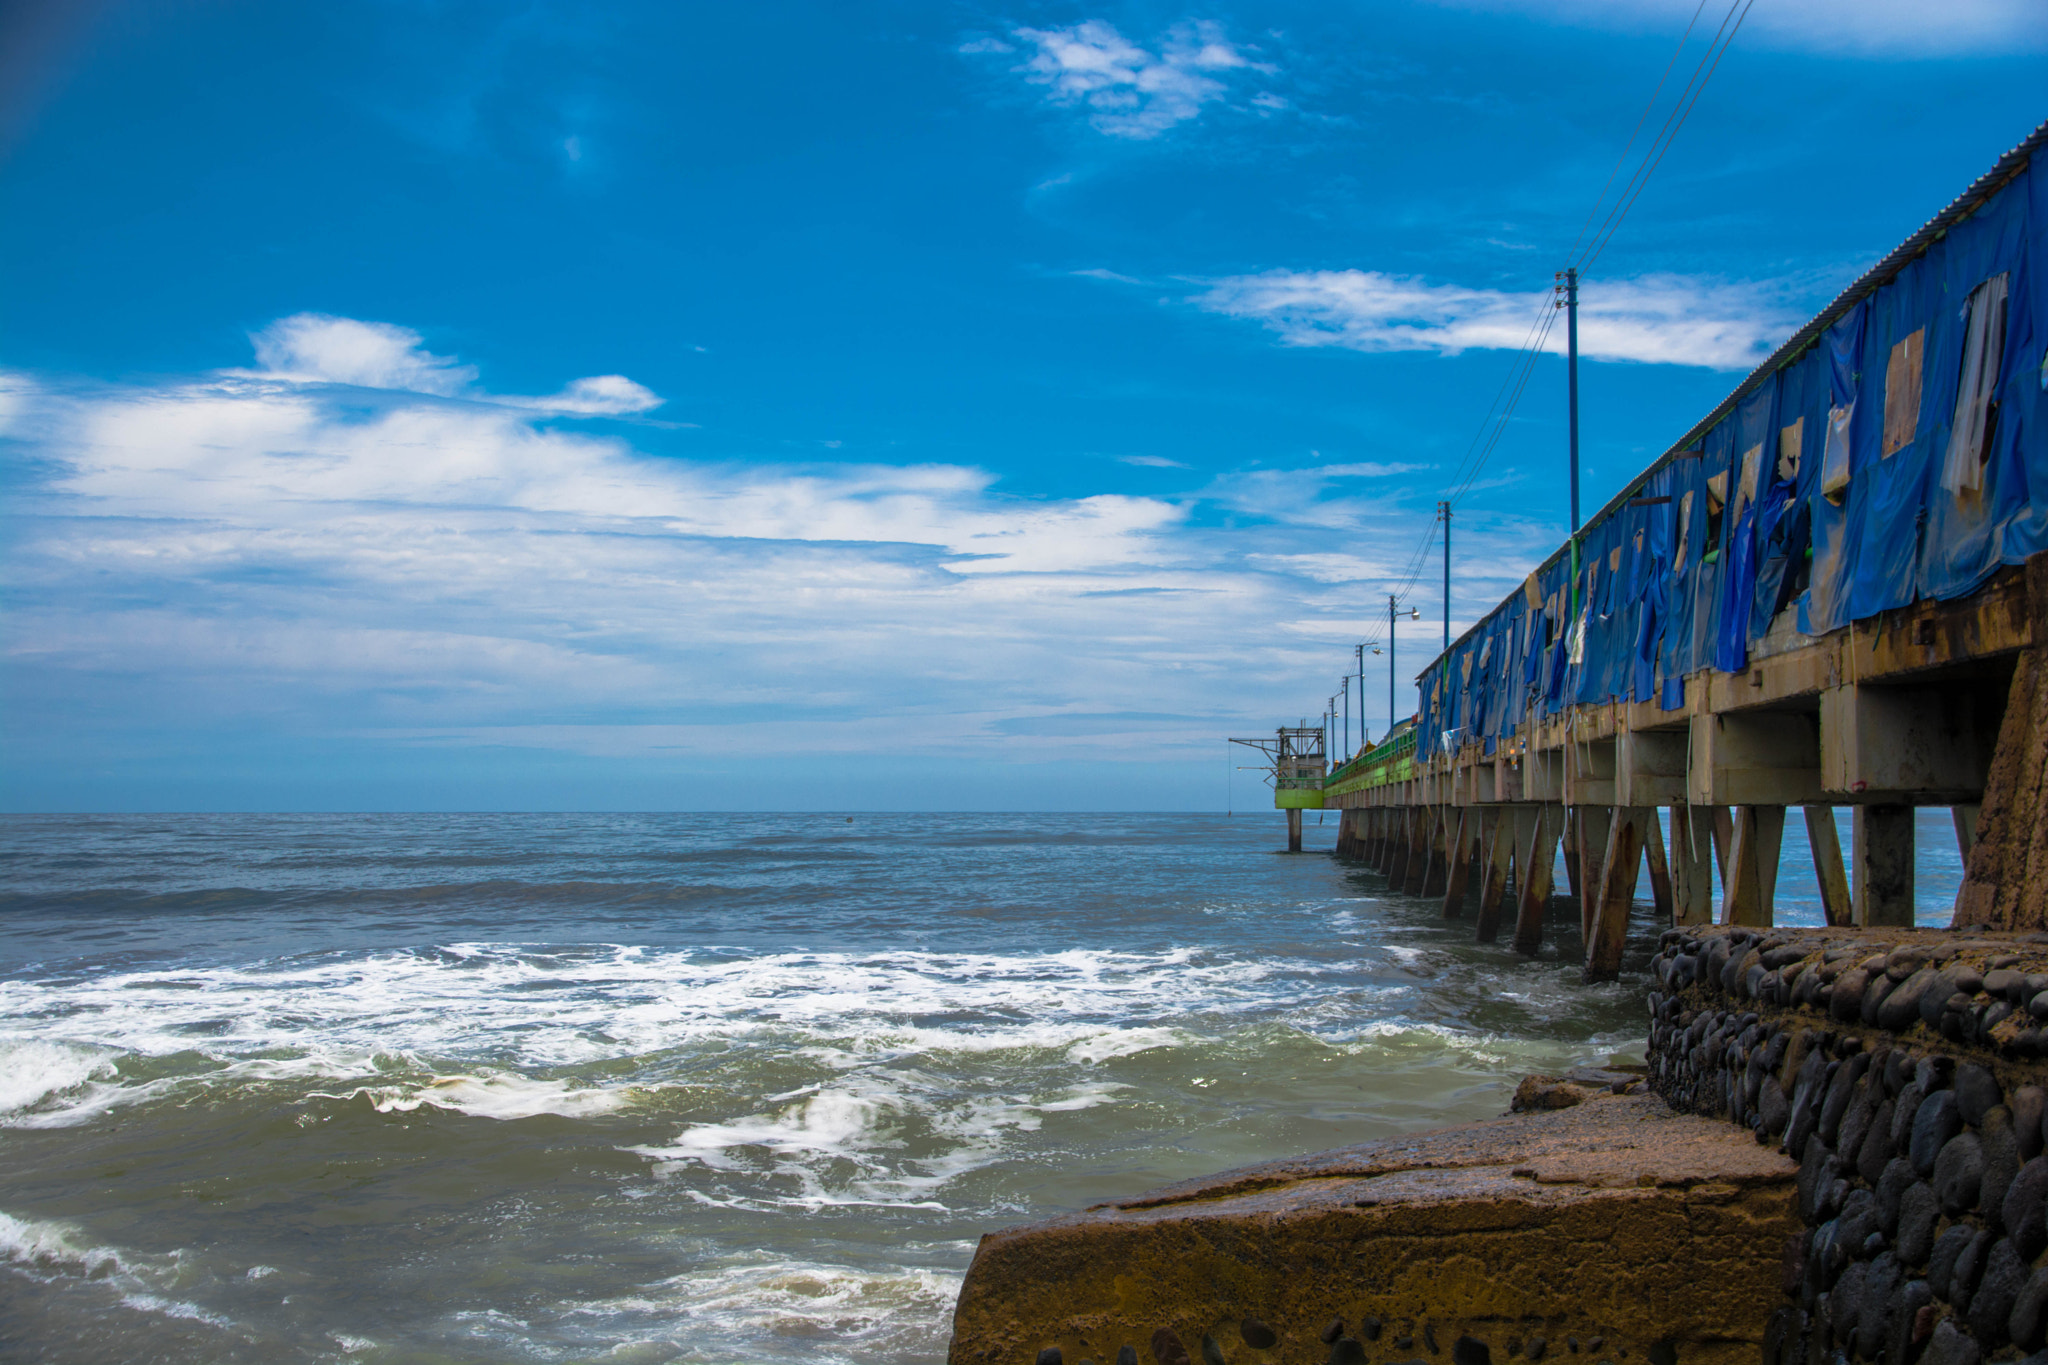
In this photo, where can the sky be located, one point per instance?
(416, 404)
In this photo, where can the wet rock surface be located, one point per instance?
(1615, 1224)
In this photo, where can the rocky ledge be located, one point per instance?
(1615, 1229)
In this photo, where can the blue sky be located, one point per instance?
(430, 405)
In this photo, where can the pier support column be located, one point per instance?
(1536, 876)
(1399, 844)
(1692, 874)
(1826, 842)
(1628, 831)
(1749, 883)
(1294, 831)
(1965, 818)
(1464, 826)
(1497, 828)
(1421, 852)
(1592, 825)
(1443, 827)
(1883, 854)
(1660, 872)
(1570, 835)
(2005, 878)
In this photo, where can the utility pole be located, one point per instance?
(1570, 303)
(1390, 663)
(1344, 685)
(1393, 611)
(1445, 509)
(1361, 695)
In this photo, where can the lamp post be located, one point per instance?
(1393, 615)
(1344, 687)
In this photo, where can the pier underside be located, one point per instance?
(1937, 704)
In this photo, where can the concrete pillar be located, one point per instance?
(1570, 833)
(1883, 864)
(1497, 841)
(1399, 847)
(1536, 877)
(1628, 830)
(1464, 827)
(1442, 835)
(1750, 882)
(1294, 831)
(1660, 873)
(1592, 826)
(1965, 818)
(1420, 835)
(1692, 874)
(2005, 879)
(1826, 842)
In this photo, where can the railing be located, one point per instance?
(1390, 761)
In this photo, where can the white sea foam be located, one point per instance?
(56, 1248)
(468, 1027)
(32, 1071)
(823, 1312)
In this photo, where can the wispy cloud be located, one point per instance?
(1129, 91)
(1658, 319)
(259, 551)
(1883, 28)
(316, 348)
(1150, 461)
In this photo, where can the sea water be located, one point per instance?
(427, 1088)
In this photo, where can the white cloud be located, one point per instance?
(1886, 28)
(316, 348)
(1130, 91)
(1659, 319)
(1150, 461)
(371, 355)
(256, 554)
(599, 395)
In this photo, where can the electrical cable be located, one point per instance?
(1641, 119)
(1493, 425)
(1681, 110)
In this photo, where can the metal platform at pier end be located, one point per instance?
(1830, 591)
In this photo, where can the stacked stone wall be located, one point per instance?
(1908, 1077)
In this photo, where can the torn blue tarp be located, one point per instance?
(1901, 454)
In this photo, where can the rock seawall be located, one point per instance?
(1908, 1077)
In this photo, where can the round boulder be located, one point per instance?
(1935, 1123)
(1959, 1174)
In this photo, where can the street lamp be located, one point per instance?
(1393, 615)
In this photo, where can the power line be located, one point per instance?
(1641, 119)
(1493, 425)
(1681, 110)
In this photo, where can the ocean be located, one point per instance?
(723, 1088)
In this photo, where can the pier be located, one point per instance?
(1832, 590)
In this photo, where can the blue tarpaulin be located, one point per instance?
(1898, 454)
